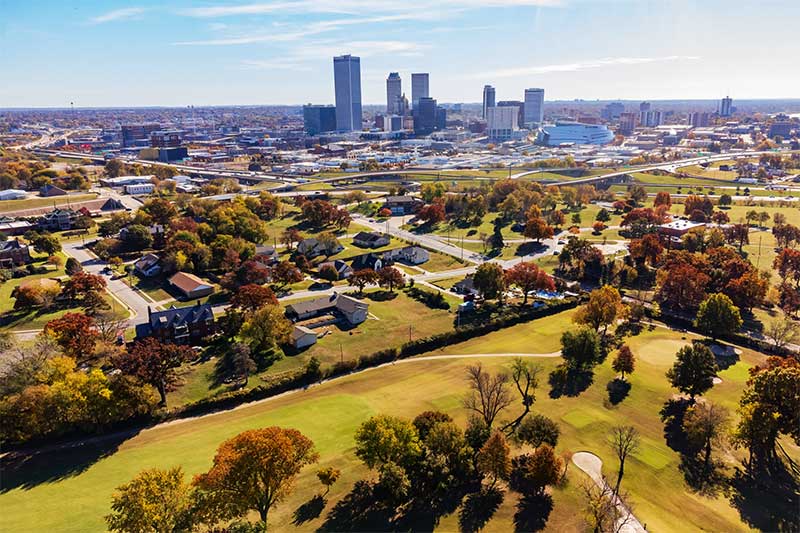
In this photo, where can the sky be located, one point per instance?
(220, 52)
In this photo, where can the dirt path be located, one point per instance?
(593, 467)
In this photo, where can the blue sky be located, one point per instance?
(219, 52)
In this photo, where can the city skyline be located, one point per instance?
(279, 52)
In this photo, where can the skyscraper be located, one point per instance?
(726, 107)
(319, 118)
(488, 99)
(534, 107)
(347, 84)
(501, 122)
(419, 88)
(519, 105)
(394, 91)
(425, 116)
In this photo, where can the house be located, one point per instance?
(402, 205)
(413, 255)
(343, 270)
(369, 261)
(313, 248)
(351, 310)
(179, 325)
(366, 239)
(303, 337)
(9, 226)
(266, 254)
(148, 265)
(49, 190)
(59, 219)
(466, 287)
(12, 194)
(14, 253)
(190, 285)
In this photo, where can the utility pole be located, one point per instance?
(409, 332)
(341, 353)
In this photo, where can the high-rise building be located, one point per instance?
(612, 111)
(347, 83)
(650, 119)
(534, 107)
(726, 107)
(699, 120)
(425, 116)
(488, 99)
(394, 91)
(402, 106)
(519, 105)
(441, 118)
(644, 107)
(419, 88)
(319, 118)
(627, 123)
(502, 122)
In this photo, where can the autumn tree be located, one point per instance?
(624, 440)
(706, 425)
(646, 250)
(662, 198)
(85, 288)
(155, 500)
(681, 286)
(265, 329)
(489, 280)
(718, 316)
(328, 476)
(738, 234)
(624, 361)
(390, 278)
(528, 277)
(694, 370)
(285, 273)
(488, 394)
(537, 229)
(531, 473)
(161, 210)
(432, 213)
(494, 458)
(251, 297)
(603, 308)
(362, 278)
(289, 237)
(75, 333)
(154, 362)
(253, 471)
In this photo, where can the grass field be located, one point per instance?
(33, 496)
(32, 203)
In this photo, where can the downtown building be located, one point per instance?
(347, 86)
(394, 94)
(428, 116)
(419, 88)
(488, 99)
(319, 119)
(726, 107)
(502, 123)
(534, 107)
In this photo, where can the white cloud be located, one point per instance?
(275, 64)
(118, 14)
(577, 66)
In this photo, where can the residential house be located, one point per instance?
(466, 287)
(303, 337)
(402, 205)
(148, 265)
(49, 190)
(413, 255)
(59, 219)
(343, 270)
(366, 239)
(190, 286)
(345, 307)
(179, 325)
(369, 261)
(312, 248)
(14, 253)
(266, 254)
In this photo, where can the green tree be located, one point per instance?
(265, 329)
(580, 349)
(489, 280)
(387, 439)
(155, 500)
(718, 316)
(694, 370)
(537, 429)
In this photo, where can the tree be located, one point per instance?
(494, 458)
(328, 476)
(154, 362)
(285, 273)
(718, 316)
(425, 421)
(266, 328)
(289, 237)
(531, 473)
(251, 297)
(109, 326)
(525, 376)
(694, 370)
(137, 237)
(75, 333)
(662, 198)
(362, 278)
(646, 250)
(241, 362)
(45, 243)
(72, 266)
(537, 429)
(624, 440)
(155, 500)
(385, 439)
(725, 200)
(529, 277)
(681, 286)
(705, 425)
(738, 234)
(432, 213)
(580, 349)
(390, 277)
(489, 394)
(603, 215)
(537, 229)
(624, 361)
(602, 309)
(783, 332)
(253, 471)
(603, 514)
(162, 211)
(83, 286)
(328, 272)
(489, 280)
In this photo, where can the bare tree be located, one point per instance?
(625, 441)
(22, 363)
(783, 332)
(108, 325)
(489, 394)
(525, 376)
(605, 512)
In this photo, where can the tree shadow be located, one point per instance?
(24, 470)
(672, 415)
(767, 501)
(309, 510)
(569, 381)
(478, 508)
(533, 512)
(359, 510)
(528, 248)
(709, 482)
(381, 296)
(618, 390)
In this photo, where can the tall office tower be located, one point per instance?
(651, 119)
(519, 105)
(644, 107)
(419, 88)
(394, 90)
(627, 123)
(425, 116)
(612, 111)
(347, 84)
(319, 118)
(698, 120)
(488, 99)
(534, 107)
(726, 107)
(502, 122)
(402, 105)
(441, 118)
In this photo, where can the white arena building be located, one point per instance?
(575, 133)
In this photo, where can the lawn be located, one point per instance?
(32, 203)
(33, 497)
